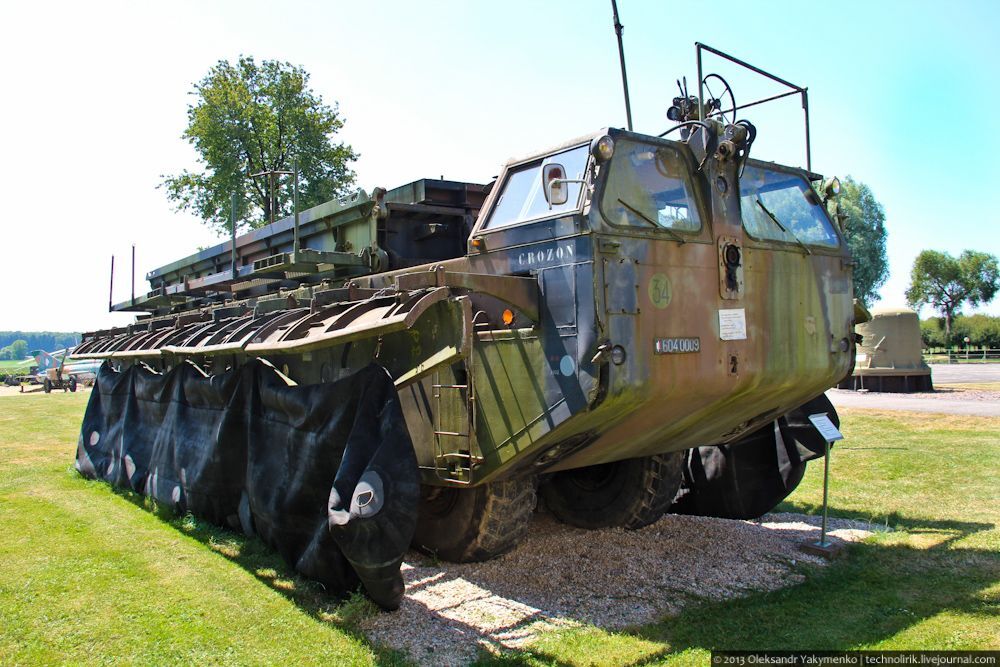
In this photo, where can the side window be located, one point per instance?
(778, 206)
(522, 197)
(648, 187)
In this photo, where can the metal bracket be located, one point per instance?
(522, 293)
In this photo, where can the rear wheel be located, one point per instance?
(72, 384)
(474, 524)
(631, 493)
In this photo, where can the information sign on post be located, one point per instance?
(830, 433)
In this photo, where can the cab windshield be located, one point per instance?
(778, 206)
(648, 187)
(522, 197)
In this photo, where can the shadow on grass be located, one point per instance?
(250, 553)
(950, 530)
(875, 591)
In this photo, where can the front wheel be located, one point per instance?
(632, 493)
(72, 384)
(47, 386)
(474, 524)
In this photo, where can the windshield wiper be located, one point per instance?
(782, 227)
(674, 235)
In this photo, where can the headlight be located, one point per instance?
(832, 187)
(602, 148)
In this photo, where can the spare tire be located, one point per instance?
(632, 493)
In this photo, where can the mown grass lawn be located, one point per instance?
(88, 575)
(8, 366)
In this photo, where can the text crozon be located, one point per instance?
(546, 255)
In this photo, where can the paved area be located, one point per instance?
(964, 373)
(928, 403)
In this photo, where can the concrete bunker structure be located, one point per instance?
(889, 357)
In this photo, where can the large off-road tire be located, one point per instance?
(631, 493)
(72, 384)
(474, 524)
(47, 386)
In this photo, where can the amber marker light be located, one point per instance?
(508, 316)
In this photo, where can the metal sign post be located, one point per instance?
(826, 494)
(830, 434)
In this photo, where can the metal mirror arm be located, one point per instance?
(559, 181)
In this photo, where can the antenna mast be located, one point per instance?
(621, 57)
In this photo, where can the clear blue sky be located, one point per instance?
(902, 97)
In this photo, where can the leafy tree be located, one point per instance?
(932, 332)
(946, 283)
(250, 118)
(17, 350)
(864, 226)
(984, 330)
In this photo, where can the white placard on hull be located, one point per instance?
(733, 324)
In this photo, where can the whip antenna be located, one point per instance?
(621, 57)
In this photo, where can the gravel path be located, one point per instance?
(563, 577)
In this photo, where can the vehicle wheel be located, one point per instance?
(47, 385)
(72, 384)
(632, 493)
(474, 524)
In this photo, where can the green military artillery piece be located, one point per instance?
(620, 324)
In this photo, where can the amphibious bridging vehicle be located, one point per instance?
(592, 326)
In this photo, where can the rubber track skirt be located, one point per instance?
(748, 478)
(324, 474)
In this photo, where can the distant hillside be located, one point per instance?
(41, 340)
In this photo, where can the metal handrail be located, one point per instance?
(803, 92)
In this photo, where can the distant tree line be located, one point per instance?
(981, 330)
(34, 340)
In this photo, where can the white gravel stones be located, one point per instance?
(562, 577)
